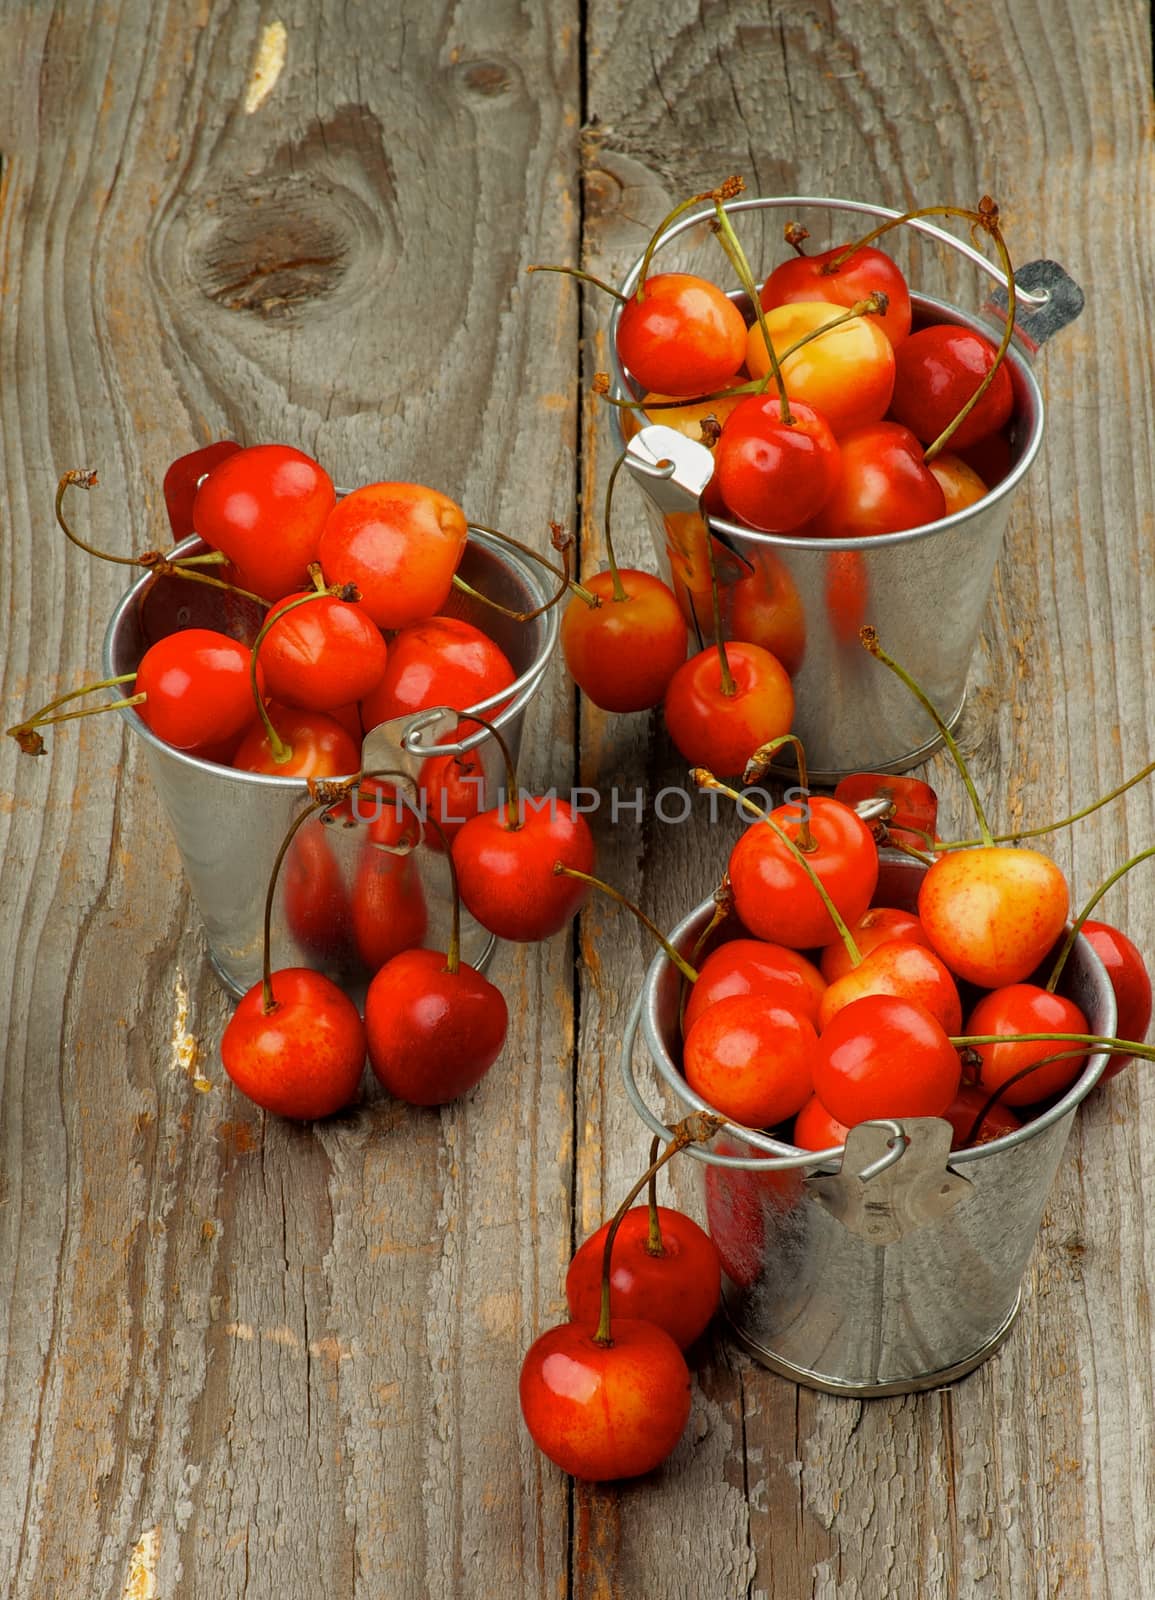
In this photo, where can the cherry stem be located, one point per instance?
(706, 780)
(683, 966)
(694, 1129)
(1015, 1077)
(563, 573)
(729, 189)
(730, 242)
(1064, 822)
(986, 217)
(281, 751)
(1091, 1040)
(583, 277)
(868, 637)
(512, 808)
(1077, 926)
(28, 738)
(654, 1246)
(795, 236)
(758, 765)
(723, 905)
(729, 687)
(152, 560)
(619, 592)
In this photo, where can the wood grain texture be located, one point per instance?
(266, 1361)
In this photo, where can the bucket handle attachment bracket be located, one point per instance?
(883, 1202)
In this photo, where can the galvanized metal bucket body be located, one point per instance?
(895, 1266)
(924, 589)
(228, 825)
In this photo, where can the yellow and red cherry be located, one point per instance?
(302, 1057)
(440, 661)
(882, 1056)
(898, 967)
(960, 484)
(1132, 985)
(843, 282)
(816, 1129)
(317, 746)
(265, 507)
(993, 913)
(1023, 1008)
(720, 708)
(682, 337)
(885, 486)
(938, 369)
(774, 896)
(846, 373)
(623, 652)
(874, 927)
(399, 544)
(322, 656)
(751, 1058)
(433, 1030)
(773, 472)
(751, 966)
(673, 1280)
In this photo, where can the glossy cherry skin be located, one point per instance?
(1027, 1008)
(400, 544)
(686, 417)
(442, 661)
(433, 1034)
(1132, 985)
(199, 692)
(719, 731)
(320, 746)
(885, 1057)
(751, 966)
(938, 369)
(315, 899)
(773, 894)
(898, 967)
(751, 1058)
(601, 1412)
(776, 475)
(913, 804)
(960, 484)
(264, 507)
(874, 927)
(963, 1110)
(683, 338)
(846, 374)
(866, 271)
(453, 788)
(677, 1289)
(322, 656)
(623, 653)
(506, 874)
(816, 1129)
(183, 479)
(885, 486)
(304, 1058)
(993, 913)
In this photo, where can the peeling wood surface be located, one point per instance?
(244, 1359)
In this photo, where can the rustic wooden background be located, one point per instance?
(244, 1359)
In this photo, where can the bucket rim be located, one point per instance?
(644, 1017)
(512, 700)
(945, 309)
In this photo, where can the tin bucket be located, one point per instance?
(924, 589)
(228, 825)
(888, 1266)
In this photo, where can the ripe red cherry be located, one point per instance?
(908, 969)
(885, 486)
(818, 278)
(914, 805)
(1027, 1008)
(302, 1059)
(1132, 985)
(963, 1110)
(264, 507)
(873, 927)
(992, 914)
(751, 1058)
(885, 1057)
(320, 747)
(938, 369)
(776, 475)
(773, 894)
(623, 653)
(751, 966)
(433, 1033)
(605, 1411)
(505, 869)
(721, 731)
(441, 661)
(683, 338)
(847, 374)
(322, 656)
(677, 1288)
(400, 544)
(816, 1129)
(453, 788)
(199, 693)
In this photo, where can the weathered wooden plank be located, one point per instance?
(267, 1360)
(1025, 1478)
